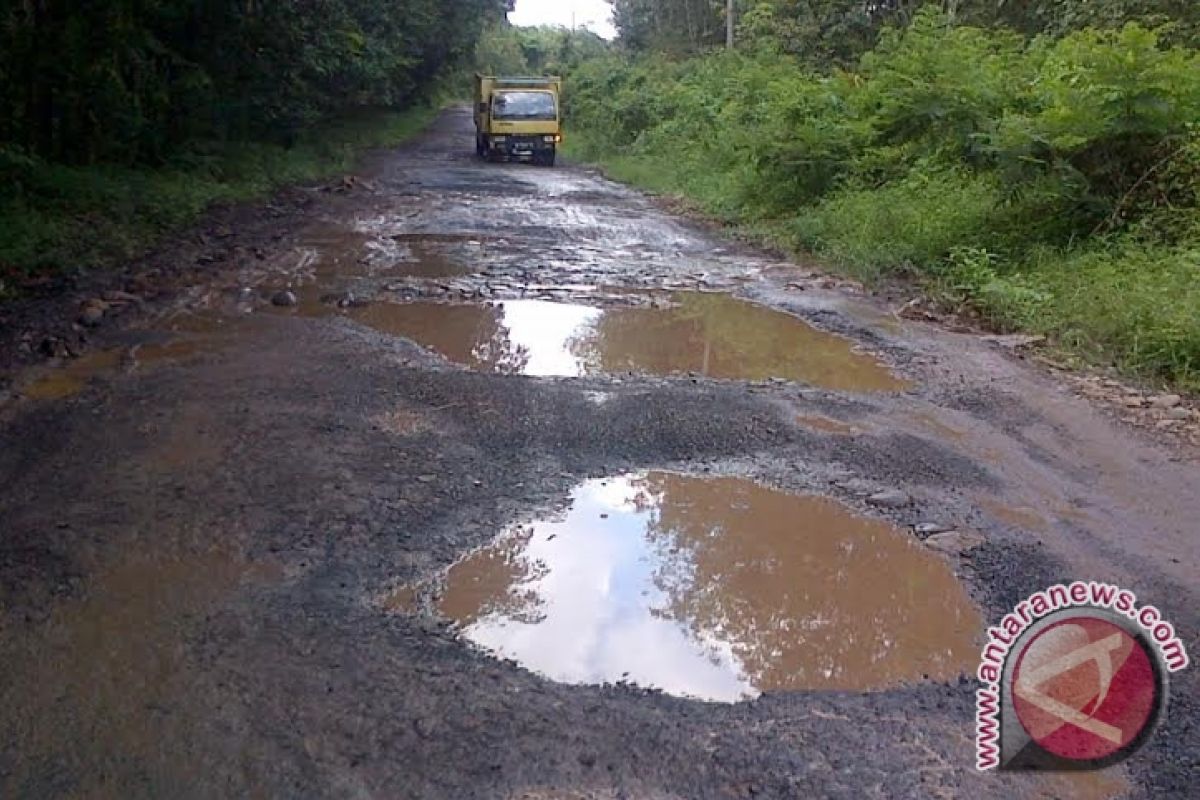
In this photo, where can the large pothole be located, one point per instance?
(713, 588)
(712, 335)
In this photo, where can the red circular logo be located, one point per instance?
(1084, 688)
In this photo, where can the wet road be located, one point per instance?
(495, 481)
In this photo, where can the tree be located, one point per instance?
(679, 26)
(134, 80)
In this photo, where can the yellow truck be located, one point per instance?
(518, 118)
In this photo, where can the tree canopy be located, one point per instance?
(132, 80)
(839, 31)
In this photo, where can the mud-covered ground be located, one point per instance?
(201, 518)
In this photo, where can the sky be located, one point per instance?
(593, 14)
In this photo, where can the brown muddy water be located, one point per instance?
(110, 666)
(712, 588)
(696, 333)
(336, 252)
(713, 335)
(184, 338)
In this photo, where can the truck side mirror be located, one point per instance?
(483, 108)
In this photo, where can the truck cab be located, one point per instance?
(518, 118)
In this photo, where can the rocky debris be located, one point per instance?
(1165, 413)
(858, 486)
(344, 300)
(91, 313)
(1016, 341)
(955, 542)
(1166, 401)
(349, 183)
(284, 299)
(916, 309)
(926, 529)
(119, 298)
(890, 498)
(56, 347)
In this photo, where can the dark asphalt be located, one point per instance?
(193, 551)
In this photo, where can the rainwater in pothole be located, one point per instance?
(713, 335)
(331, 252)
(712, 588)
(175, 342)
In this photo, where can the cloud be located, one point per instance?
(596, 15)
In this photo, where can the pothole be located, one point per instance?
(713, 588)
(713, 335)
(69, 379)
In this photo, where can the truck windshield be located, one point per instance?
(525, 105)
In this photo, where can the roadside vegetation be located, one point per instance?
(1035, 163)
(124, 120)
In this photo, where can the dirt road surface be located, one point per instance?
(248, 541)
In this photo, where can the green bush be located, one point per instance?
(1127, 304)
(913, 222)
(78, 218)
(1052, 184)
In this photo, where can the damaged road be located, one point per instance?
(460, 483)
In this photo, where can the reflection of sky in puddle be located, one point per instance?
(713, 588)
(598, 611)
(544, 331)
(708, 334)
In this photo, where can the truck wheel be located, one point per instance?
(545, 159)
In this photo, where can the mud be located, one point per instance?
(718, 589)
(200, 550)
(59, 382)
(826, 424)
(713, 336)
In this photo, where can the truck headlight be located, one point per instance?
(551, 139)
(499, 139)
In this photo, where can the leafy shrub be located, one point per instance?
(914, 222)
(1052, 184)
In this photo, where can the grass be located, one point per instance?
(56, 218)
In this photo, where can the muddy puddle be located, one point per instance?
(713, 335)
(71, 378)
(328, 257)
(713, 588)
(112, 665)
(178, 340)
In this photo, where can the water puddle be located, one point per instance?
(714, 588)
(68, 380)
(327, 254)
(189, 336)
(116, 658)
(714, 335)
